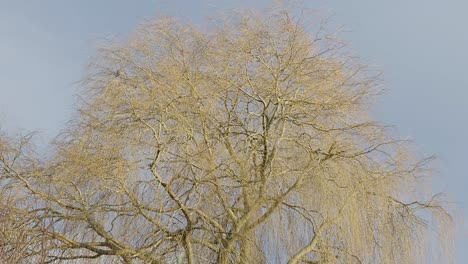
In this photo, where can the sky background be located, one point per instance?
(420, 45)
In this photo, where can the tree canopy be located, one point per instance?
(249, 141)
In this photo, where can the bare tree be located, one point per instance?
(250, 142)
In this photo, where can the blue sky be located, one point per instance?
(420, 45)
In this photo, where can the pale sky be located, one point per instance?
(420, 45)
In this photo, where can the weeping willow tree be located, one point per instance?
(249, 142)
